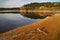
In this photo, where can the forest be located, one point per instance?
(36, 5)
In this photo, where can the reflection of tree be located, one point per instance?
(36, 15)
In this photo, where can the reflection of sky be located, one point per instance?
(18, 3)
(11, 21)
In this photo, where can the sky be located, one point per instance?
(19, 3)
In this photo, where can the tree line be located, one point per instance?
(36, 5)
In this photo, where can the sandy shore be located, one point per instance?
(47, 29)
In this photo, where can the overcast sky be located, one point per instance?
(18, 3)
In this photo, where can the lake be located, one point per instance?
(9, 21)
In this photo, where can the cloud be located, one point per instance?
(18, 3)
(12, 3)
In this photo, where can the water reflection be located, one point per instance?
(11, 21)
(37, 15)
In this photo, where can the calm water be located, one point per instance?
(11, 21)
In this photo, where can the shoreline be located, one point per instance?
(49, 23)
